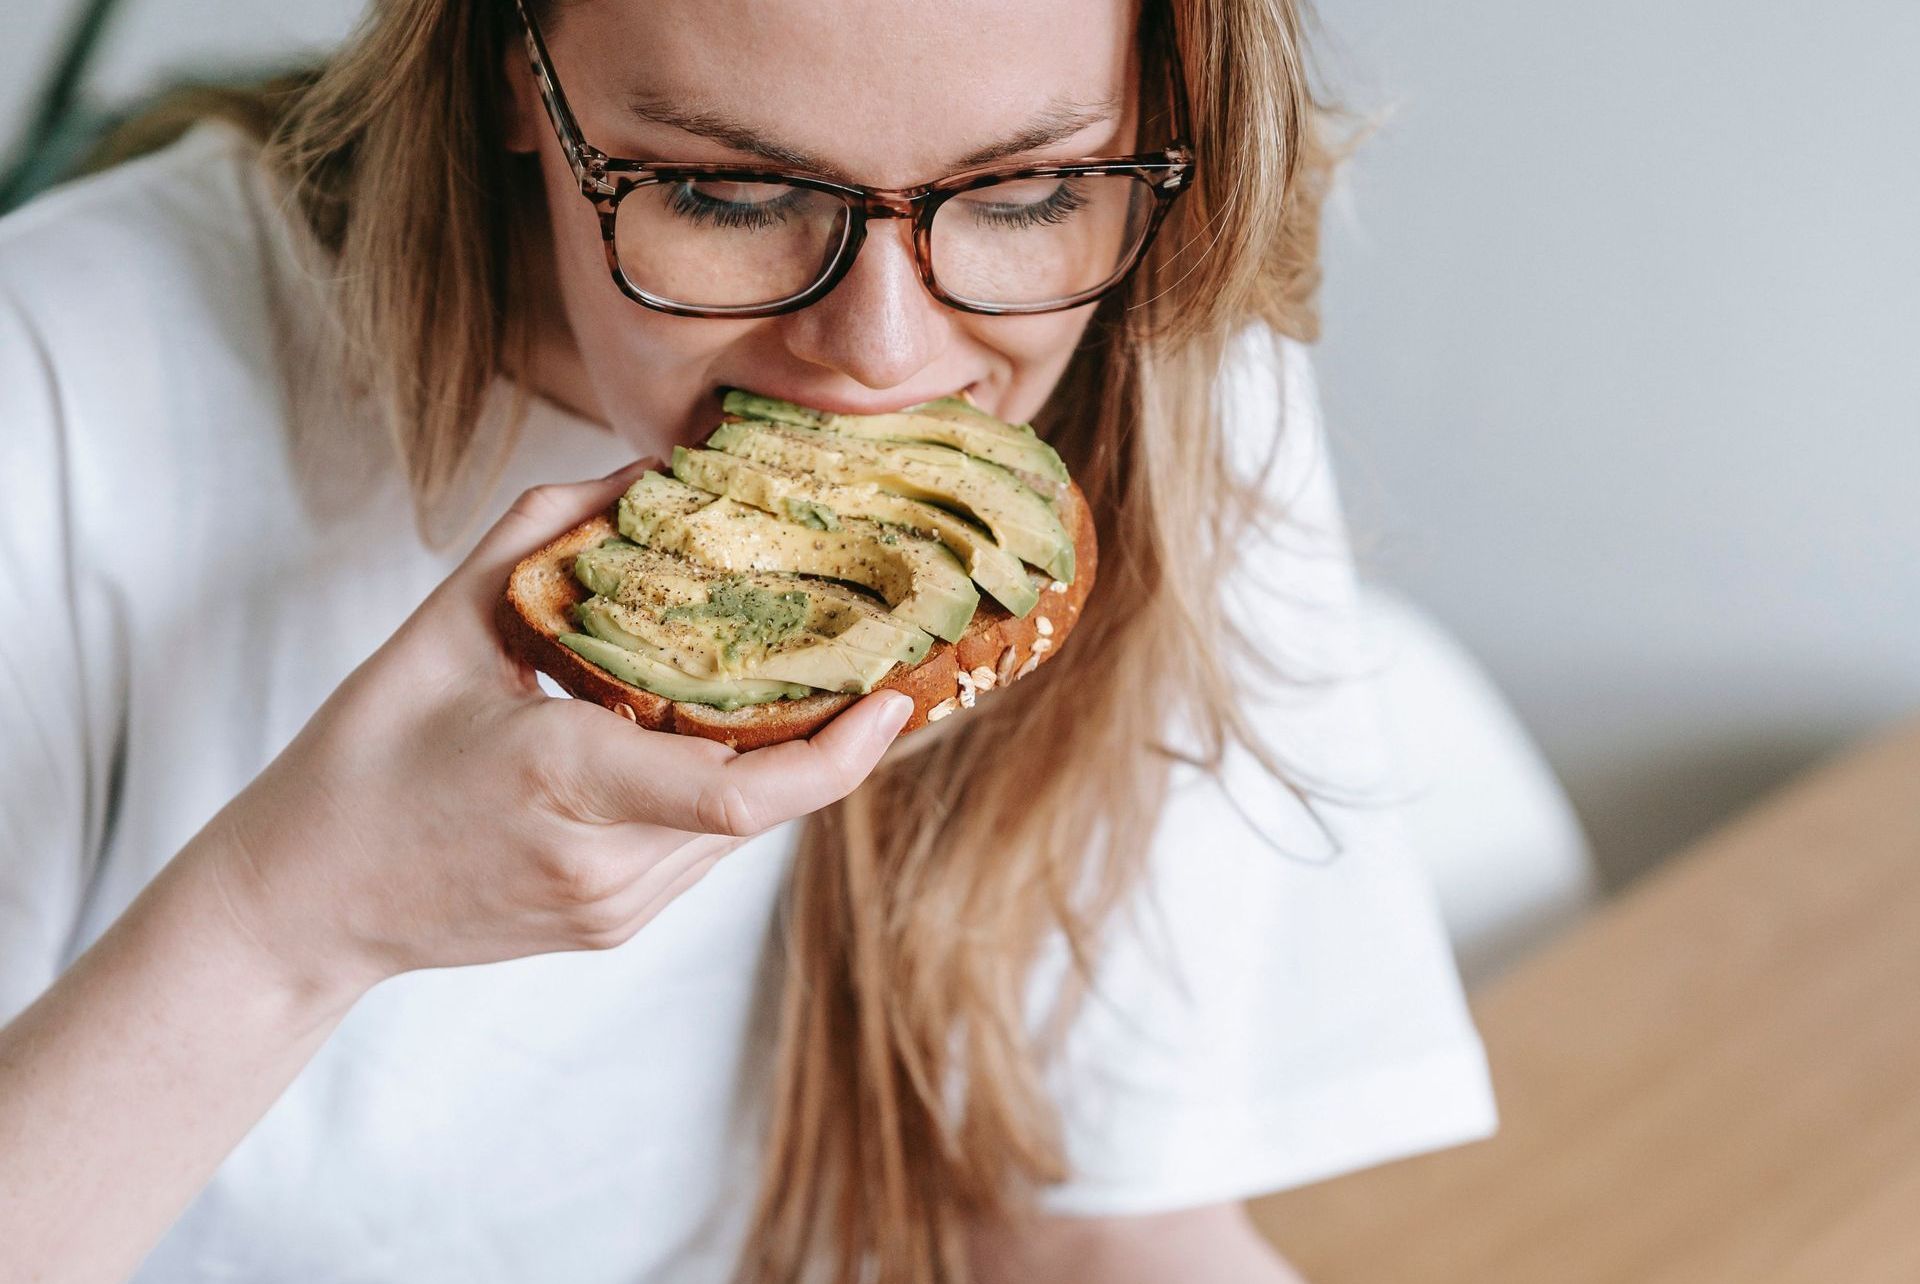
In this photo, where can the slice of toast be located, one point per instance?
(533, 614)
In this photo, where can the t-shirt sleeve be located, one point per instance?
(49, 793)
(1279, 1004)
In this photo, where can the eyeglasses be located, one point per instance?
(741, 240)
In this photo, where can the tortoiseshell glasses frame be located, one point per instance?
(606, 180)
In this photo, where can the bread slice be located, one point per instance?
(533, 614)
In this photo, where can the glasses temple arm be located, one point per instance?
(587, 162)
(1182, 143)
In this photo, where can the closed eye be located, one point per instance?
(1058, 206)
(770, 204)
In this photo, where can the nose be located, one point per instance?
(879, 326)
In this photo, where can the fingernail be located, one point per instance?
(895, 709)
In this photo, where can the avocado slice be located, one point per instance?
(947, 421)
(637, 576)
(923, 582)
(822, 504)
(1022, 521)
(719, 625)
(854, 660)
(650, 674)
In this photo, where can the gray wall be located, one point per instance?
(1623, 357)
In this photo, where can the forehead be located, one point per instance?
(888, 90)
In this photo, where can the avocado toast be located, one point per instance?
(804, 558)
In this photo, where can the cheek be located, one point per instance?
(1032, 353)
(579, 261)
(646, 370)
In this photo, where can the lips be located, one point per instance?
(877, 405)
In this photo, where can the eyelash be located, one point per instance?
(1061, 205)
(690, 204)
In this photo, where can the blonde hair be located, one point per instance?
(919, 905)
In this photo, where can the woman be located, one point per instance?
(1023, 999)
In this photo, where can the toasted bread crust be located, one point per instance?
(533, 614)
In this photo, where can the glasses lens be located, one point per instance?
(1029, 241)
(715, 243)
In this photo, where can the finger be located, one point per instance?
(666, 879)
(539, 515)
(700, 786)
(672, 891)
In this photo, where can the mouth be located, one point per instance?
(970, 393)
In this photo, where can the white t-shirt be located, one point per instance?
(200, 535)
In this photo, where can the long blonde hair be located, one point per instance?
(908, 1100)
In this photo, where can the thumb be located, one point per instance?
(540, 514)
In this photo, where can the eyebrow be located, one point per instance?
(1059, 120)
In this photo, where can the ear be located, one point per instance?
(521, 113)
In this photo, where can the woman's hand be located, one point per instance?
(440, 809)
